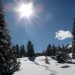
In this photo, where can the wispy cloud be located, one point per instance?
(61, 35)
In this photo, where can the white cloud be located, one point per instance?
(61, 35)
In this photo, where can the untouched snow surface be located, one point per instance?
(39, 67)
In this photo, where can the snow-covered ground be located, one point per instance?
(39, 67)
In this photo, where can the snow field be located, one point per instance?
(39, 67)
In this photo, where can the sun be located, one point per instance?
(25, 10)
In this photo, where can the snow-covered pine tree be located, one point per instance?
(7, 60)
(73, 42)
(13, 48)
(61, 55)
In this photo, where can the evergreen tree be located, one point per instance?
(13, 48)
(43, 53)
(73, 42)
(54, 50)
(7, 60)
(22, 51)
(30, 49)
(63, 48)
(61, 55)
(49, 50)
(17, 49)
(59, 48)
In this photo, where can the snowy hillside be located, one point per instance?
(39, 67)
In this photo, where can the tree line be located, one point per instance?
(22, 51)
(59, 53)
(51, 50)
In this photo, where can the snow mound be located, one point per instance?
(42, 58)
(23, 59)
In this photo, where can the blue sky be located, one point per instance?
(54, 15)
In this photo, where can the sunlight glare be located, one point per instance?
(26, 10)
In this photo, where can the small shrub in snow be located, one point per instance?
(47, 61)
